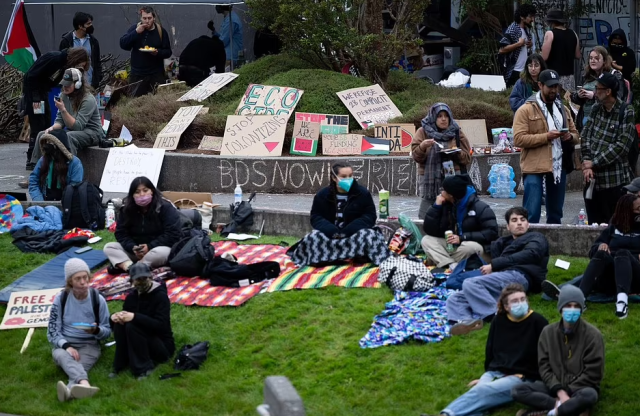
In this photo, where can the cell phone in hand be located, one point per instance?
(564, 130)
(57, 98)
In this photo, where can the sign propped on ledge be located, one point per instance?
(329, 123)
(252, 135)
(400, 136)
(208, 87)
(269, 100)
(342, 144)
(475, 130)
(124, 164)
(169, 136)
(369, 105)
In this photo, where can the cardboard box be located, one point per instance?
(198, 197)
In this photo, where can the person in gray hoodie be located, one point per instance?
(571, 361)
(79, 319)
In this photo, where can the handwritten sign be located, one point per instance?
(211, 143)
(369, 105)
(304, 141)
(329, 123)
(303, 147)
(251, 135)
(475, 130)
(400, 136)
(208, 87)
(124, 164)
(269, 100)
(342, 144)
(306, 129)
(29, 309)
(169, 136)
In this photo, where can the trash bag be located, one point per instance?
(191, 357)
(241, 217)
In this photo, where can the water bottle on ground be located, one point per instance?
(582, 217)
(110, 215)
(237, 195)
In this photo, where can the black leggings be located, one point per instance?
(622, 264)
(538, 396)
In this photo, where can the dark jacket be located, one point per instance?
(45, 73)
(159, 226)
(623, 56)
(479, 223)
(144, 63)
(359, 211)
(618, 241)
(203, 53)
(67, 42)
(528, 254)
(571, 362)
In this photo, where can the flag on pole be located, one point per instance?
(19, 47)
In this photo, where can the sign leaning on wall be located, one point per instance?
(369, 105)
(269, 100)
(253, 135)
(209, 86)
(169, 136)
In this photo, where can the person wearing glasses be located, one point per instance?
(527, 85)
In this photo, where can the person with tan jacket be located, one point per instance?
(545, 131)
(439, 132)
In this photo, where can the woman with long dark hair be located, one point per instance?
(56, 169)
(528, 82)
(343, 216)
(614, 267)
(147, 228)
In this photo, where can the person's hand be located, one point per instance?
(141, 28)
(587, 174)
(587, 164)
(553, 134)
(143, 248)
(92, 330)
(74, 353)
(604, 247)
(49, 130)
(521, 42)
(453, 239)
(116, 317)
(529, 44)
(587, 95)
(567, 136)
(440, 200)
(59, 105)
(426, 143)
(154, 52)
(615, 65)
(486, 269)
(473, 383)
(563, 396)
(126, 316)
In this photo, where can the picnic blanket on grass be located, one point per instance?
(410, 315)
(310, 277)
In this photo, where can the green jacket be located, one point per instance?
(571, 362)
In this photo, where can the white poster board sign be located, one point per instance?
(369, 105)
(169, 136)
(208, 87)
(124, 164)
(252, 135)
(29, 309)
(488, 82)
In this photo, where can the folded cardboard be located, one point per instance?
(197, 197)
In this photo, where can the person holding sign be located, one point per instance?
(440, 149)
(79, 320)
(147, 228)
(343, 216)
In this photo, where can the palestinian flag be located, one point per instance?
(372, 146)
(19, 46)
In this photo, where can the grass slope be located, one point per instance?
(310, 336)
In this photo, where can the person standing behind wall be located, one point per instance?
(560, 48)
(232, 39)
(516, 43)
(82, 37)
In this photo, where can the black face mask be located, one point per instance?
(89, 30)
(616, 46)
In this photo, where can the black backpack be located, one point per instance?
(191, 357)
(95, 302)
(633, 150)
(82, 207)
(189, 256)
(223, 272)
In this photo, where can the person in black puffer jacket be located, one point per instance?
(343, 217)
(147, 228)
(458, 209)
(143, 329)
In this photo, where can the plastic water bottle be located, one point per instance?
(502, 183)
(237, 194)
(110, 215)
(582, 217)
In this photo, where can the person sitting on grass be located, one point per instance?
(147, 227)
(571, 364)
(511, 356)
(79, 320)
(614, 266)
(458, 209)
(56, 169)
(343, 217)
(521, 258)
(527, 85)
(143, 329)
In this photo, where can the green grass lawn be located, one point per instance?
(310, 336)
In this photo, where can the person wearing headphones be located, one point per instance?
(77, 113)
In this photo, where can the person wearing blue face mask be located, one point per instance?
(571, 363)
(511, 356)
(343, 217)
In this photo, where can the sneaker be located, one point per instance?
(529, 412)
(80, 391)
(550, 289)
(115, 271)
(63, 392)
(23, 184)
(622, 310)
(144, 375)
(464, 327)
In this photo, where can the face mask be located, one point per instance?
(519, 310)
(571, 315)
(345, 183)
(143, 201)
(613, 45)
(143, 287)
(89, 30)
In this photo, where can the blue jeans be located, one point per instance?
(555, 196)
(493, 390)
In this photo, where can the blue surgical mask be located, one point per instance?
(519, 310)
(345, 183)
(571, 315)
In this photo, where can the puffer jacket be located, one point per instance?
(40, 219)
(527, 254)
(159, 226)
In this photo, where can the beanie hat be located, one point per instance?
(568, 294)
(73, 266)
(456, 185)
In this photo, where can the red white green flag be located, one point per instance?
(19, 46)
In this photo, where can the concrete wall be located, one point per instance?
(199, 173)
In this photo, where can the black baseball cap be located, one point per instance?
(633, 187)
(549, 77)
(610, 81)
(139, 271)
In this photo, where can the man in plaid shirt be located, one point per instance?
(605, 150)
(517, 43)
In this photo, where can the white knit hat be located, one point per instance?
(73, 266)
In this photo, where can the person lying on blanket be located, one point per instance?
(79, 320)
(511, 356)
(521, 258)
(147, 227)
(343, 217)
(143, 329)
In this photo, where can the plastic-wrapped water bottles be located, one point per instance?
(501, 181)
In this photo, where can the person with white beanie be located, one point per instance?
(79, 320)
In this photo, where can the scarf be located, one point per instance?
(461, 208)
(554, 123)
(433, 163)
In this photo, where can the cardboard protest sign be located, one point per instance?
(475, 130)
(169, 136)
(303, 147)
(369, 105)
(400, 136)
(208, 87)
(211, 143)
(252, 135)
(269, 100)
(304, 141)
(306, 129)
(29, 309)
(329, 123)
(373, 146)
(488, 82)
(342, 144)
(124, 164)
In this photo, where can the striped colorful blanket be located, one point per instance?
(316, 277)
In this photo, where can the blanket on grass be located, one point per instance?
(310, 277)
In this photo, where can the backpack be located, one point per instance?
(414, 246)
(189, 256)
(95, 302)
(633, 150)
(407, 274)
(82, 207)
(223, 272)
(191, 357)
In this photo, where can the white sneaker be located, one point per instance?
(63, 392)
(622, 310)
(80, 391)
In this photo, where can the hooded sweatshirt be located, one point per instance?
(622, 55)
